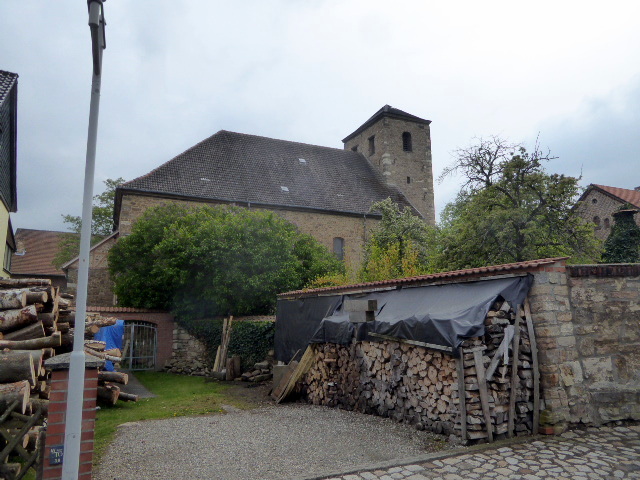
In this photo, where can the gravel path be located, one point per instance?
(284, 442)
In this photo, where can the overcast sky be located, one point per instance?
(175, 72)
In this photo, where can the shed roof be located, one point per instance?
(507, 268)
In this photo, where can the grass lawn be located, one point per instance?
(177, 395)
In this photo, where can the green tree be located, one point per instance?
(101, 224)
(210, 261)
(623, 243)
(511, 210)
(401, 245)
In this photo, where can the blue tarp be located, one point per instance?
(112, 336)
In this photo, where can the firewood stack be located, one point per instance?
(420, 386)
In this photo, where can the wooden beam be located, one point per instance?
(462, 396)
(514, 376)
(484, 393)
(536, 367)
(499, 353)
(431, 346)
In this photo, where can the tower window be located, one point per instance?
(338, 248)
(354, 148)
(406, 142)
(606, 223)
(372, 144)
(408, 179)
(596, 220)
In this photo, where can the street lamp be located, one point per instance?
(75, 396)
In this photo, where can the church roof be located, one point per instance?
(386, 111)
(249, 169)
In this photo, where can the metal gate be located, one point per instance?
(140, 345)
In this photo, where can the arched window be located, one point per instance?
(338, 248)
(606, 223)
(406, 142)
(596, 220)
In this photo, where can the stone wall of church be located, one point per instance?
(322, 226)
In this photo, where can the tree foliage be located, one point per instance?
(208, 261)
(401, 245)
(623, 243)
(510, 210)
(101, 223)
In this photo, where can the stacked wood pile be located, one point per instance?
(420, 386)
(261, 372)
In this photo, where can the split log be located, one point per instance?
(35, 330)
(127, 397)
(32, 437)
(24, 282)
(12, 299)
(10, 392)
(109, 393)
(63, 327)
(67, 296)
(96, 345)
(14, 319)
(48, 319)
(113, 352)
(34, 344)
(16, 366)
(117, 377)
(94, 325)
(101, 355)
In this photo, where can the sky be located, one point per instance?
(174, 73)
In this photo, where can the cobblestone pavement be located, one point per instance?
(592, 454)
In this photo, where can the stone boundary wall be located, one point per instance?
(189, 356)
(587, 323)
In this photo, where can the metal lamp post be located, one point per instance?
(73, 423)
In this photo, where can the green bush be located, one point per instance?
(251, 340)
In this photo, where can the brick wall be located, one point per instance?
(164, 322)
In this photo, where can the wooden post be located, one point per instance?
(536, 368)
(484, 393)
(462, 396)
(514, 376)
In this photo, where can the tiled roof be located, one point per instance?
(624, 194)
(386, 111)
(7, 80)
(506, 268)
(40, 247)
(122, 310)
(236, 167)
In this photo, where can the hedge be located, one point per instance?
(251, 340)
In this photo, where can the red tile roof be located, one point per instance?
(40, 248)
(506, 268)
(624, 194)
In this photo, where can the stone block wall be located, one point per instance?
(587, 324)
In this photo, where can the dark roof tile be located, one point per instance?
(244, 168)
(7, 80)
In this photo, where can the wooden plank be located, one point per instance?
(514, 376)
(484, 393)
(303, 367)
(284, 381)
(431, 346)
(536, 367)
(462, 397)
(504, 346)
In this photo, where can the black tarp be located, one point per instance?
(442, 315)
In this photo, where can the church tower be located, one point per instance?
(398, 144)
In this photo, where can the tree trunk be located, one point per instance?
(117, 377)
(109, 393)
(35, 330)
(11, 299)
(13, 319)
(9, 392)
(35, 344)
(16, 366)
(127, 397)
(37, 297)
(24, 282)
